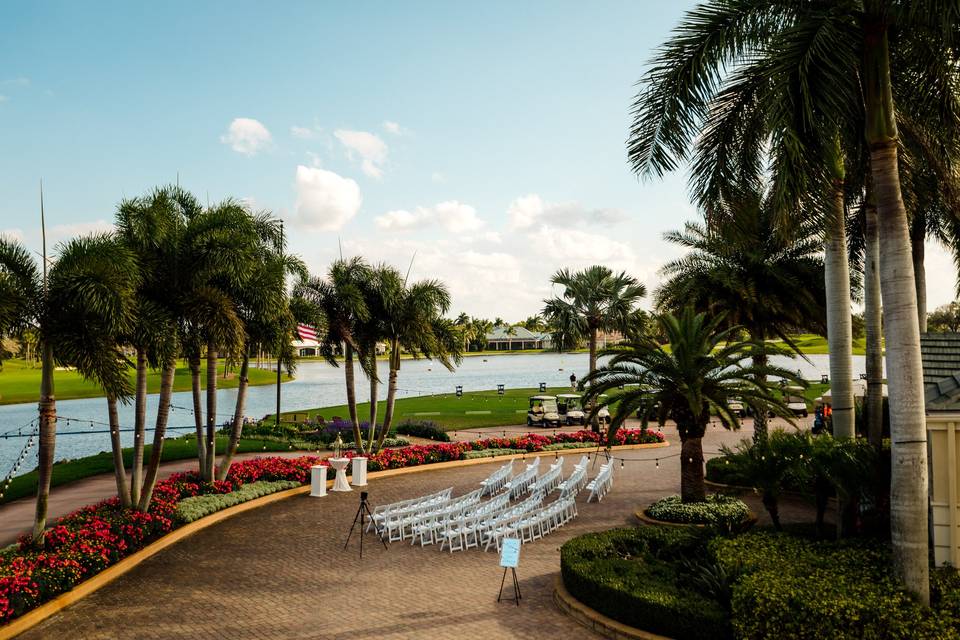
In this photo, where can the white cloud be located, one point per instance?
(306, 133)
(455, 217)
(61, 232)
(393, 127)
(438, 177)
(370, 148)
(314, 159)
(247, 136)
(18, 82)
(526, 211)
(325, 200)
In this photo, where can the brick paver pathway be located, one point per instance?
(281, 572)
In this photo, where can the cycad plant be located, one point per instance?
(700, 370)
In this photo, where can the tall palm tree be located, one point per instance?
(758, 272)
(413, 322)
(339, 299)
(593, 300)
(834, 64)
(697, 373)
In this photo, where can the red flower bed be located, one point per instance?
(91, 539)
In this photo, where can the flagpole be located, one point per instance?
(280, 351)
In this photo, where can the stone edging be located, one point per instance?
(594, 620)
(35, 616)
(645, 519)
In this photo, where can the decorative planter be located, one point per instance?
(641, 515)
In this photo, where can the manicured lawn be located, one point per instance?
(21, 383)
(173, 449)
(813, 344)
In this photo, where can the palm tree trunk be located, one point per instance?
(156, 451)
(692, 487)
(211, 447)
(918, 235)
(760, 361)
(594, 421)
(237, 430)
(47, 442)
(372, 436)
(348, 376)
(872, 322)
(839, 321)
(908, 481)
(119, 472)
(772, 505)
(391, 394)
(140, 427)
(198, 411)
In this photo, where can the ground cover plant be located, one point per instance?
(717, 510)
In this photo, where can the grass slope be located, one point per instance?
(21, 383)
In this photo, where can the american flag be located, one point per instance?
(306, 332)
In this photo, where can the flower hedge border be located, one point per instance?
(109, 541)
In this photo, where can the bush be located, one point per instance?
(635, 576)
(797, 588)
(190, 509)
(423, 429)
(720, 510)
(492, 453)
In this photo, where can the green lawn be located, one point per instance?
(173, 449)
(813, 344)
(21, 383)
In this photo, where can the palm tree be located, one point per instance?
(339, 299)
(697, 373)
(413, 322)
(595, 299)
(831, 65)
(759, 273)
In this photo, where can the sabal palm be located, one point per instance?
(760, 274)
(413, 322)
(699, 372)
(833, 64)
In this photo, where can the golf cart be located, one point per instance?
(543, 412)
(736, 406)
(796, 404)
(571, 408)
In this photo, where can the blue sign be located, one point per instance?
(510, 553)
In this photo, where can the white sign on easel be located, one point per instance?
(509, 559)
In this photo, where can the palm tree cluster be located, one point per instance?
(832, 106)
(360, 306)
(175, 279)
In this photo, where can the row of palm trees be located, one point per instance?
(828, 106)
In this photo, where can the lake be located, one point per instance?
(317, 385)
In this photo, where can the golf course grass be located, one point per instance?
(474, 409)
(20, 382)
(173, 449)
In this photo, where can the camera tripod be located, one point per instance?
(363, 512)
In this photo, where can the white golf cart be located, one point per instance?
(543, 412)
(603, 414)
(571, 408)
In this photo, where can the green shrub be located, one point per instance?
(491, 453)
(797, 588)
(196, 507)
(721, 510)
(423, 429)
(560, 446)
(635, 576)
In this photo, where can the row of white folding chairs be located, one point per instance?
(520, 483)
(395, 506)
(432, 527)
(495, 528)
(399, 526)
(601, 484)
(497, 479)
(471, 531)
(541, 522)
(409, 508)
(574, 483)
(549, 481)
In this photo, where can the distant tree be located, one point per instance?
(945, 318)
(534, 323)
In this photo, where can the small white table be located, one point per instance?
(359, 473)
(318, 480)
(340, 483)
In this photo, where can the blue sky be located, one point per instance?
(488, 139)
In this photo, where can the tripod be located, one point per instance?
(363, 512)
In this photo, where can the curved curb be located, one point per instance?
(35, 616)
(594, 620)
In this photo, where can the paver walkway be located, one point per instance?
(280, 571)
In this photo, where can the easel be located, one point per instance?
(516, 586)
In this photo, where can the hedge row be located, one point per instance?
(196, 507)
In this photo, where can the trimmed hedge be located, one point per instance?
(719, 509)
(423, 429)
(190, 509)
(792, 587)
(636, 576)
(492, 453)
